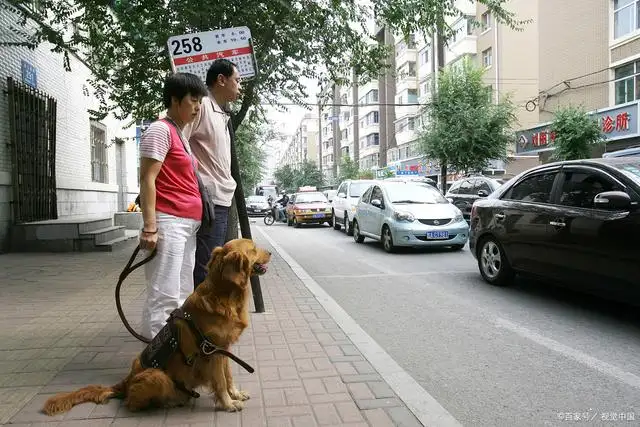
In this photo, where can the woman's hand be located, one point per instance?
(148, 240)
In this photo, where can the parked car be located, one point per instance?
(575, 222)
(408, 214)
(465, 191)
(330, 194)
(308, 207)
(257, 205)
(344, 203)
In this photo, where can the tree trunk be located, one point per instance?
(441, 64)
(232, 223)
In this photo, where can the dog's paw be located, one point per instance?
(232, 406)
(239, 394)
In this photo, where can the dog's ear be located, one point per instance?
(236, 268)
(216, 256)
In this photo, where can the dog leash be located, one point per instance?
(128, 269)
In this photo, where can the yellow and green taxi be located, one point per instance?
(308, 206)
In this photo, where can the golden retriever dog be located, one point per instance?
(219, 309)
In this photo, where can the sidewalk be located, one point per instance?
(61, 332)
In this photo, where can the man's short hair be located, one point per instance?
(180, 85)
(219, 66)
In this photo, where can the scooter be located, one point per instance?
(269, 218)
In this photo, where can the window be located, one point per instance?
(466, 187)
(485, 20)
(412, 96)
(367, 195)
(425, 56)
(625, 17)
(370, 98)
(580, 188)
(535, 189)
(99, 155)
(377, 194)
(487, 58)
(481, 184)
(627, 82)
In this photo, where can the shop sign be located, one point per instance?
(616, 123)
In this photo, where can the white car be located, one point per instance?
(345, 200)
(408, 214)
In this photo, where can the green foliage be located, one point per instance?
(290, 179)
(465, 129)
(250, 139)
(127, 46)
(576, 134)
(365, 174)
(348, 169)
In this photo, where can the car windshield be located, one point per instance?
(401, 193)
(257, 199)
(630, 168)
(357, 188)
(310, 198)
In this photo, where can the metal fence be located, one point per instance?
(32, 120)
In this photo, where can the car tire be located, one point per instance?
(387, 239)
(296, 224)
(359, 238)
(348, 228)
(493, 263)
(336, 226)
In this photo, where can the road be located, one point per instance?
(522, 355)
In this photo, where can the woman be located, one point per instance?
(170, 201)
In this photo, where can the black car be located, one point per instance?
(576, 222)
(465, 191)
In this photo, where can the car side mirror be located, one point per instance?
(483, 193)
(612, 200)
(449, 199)
(377, 203)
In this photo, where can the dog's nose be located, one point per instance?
(269, 252)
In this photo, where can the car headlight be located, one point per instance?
(459, 217)
(327, 210)
(404, 216)
(353, 208)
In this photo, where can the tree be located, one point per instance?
(465, 129)
(250, 140)
(348, 169)
(290, 179)
(125, 41)
(576, 134)
(365, 174)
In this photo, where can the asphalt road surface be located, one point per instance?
(530, 354)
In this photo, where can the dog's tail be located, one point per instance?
(63, 402)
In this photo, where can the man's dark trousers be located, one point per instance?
(208, 240)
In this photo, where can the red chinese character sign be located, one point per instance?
(621, 123)
(194, 53)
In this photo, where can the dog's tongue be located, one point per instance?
(260, 269)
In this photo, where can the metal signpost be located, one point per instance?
(194, 53)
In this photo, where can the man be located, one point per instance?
(210, 142)
(283, 201)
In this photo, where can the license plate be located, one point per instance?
(437, 235)
(318, 215)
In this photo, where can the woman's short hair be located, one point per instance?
(179, 85)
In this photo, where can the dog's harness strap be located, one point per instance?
(207, 348)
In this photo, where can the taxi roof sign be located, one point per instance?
(307, 188)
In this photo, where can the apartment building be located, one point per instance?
(592, 62)
(56, 162)
(303, 145)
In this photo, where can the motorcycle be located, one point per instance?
(269, 218)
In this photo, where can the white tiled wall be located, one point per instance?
(77, 194)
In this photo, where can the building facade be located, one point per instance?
(303, 145)
(55, 161)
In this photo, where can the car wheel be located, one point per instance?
(348, 228)
(359, 238)
(457, 247)
(336, 226)
(493, 264)
(296, 224)
(387, 239)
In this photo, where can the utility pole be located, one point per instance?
(441, 64)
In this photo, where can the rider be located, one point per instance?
(283, 201)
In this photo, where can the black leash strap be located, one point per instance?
(128, 269)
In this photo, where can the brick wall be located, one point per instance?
(77, 194)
